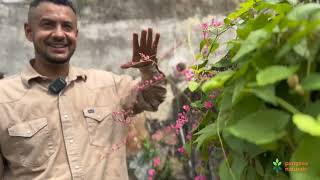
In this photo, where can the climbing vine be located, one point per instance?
(266, 105)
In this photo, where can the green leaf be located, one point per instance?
(273, 1)
(302, 49)
(214, 46)
(247, 105)
(210, 131)
(313, 108)
(308, 152)
(261, 127)
(217, 81)
(259, 167)
(293, 2)
(311, 82)
(237, 93)
(266, 93)
(188, 147)
(303, 11)
(225, 62)
(238, 165)
(202, 64)
(192, 85)
(241, 146)
(297, 36)
(275, 73)
(224, 172)
(253, 41)
(244, 7)
(307, 124)
(197, 104)
(203, 43)
(251, 174)
(198, 56)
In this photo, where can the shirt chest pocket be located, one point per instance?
(103, 130)
(31, 143)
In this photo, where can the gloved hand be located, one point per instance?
(144, 53)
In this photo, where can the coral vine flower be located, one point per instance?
(200, 177)
(156, 161)
(186, 107)
(157, 136)
(204, 26)
(181, 150)
(188, 74)
(215, 23)
(189, 136)
(182, 119)
(212, 96)
(151, 172)
(208, 104)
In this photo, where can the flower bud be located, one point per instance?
(293, 81)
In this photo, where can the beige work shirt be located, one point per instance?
(76, 134)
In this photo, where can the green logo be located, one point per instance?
(277, 165)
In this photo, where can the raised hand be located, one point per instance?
(144, 53)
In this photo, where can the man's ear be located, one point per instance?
(77, 33)
(28, 32)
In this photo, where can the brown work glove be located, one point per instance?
(144, 54)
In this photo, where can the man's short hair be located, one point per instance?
(35, 3)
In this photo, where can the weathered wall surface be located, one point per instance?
(106, 28)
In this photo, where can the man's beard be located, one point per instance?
(52, 60)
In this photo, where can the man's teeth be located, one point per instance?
(58, 45)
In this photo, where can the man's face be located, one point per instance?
(53, 30)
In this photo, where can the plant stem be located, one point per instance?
(224, 152)
(287, 106)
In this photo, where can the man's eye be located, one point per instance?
(68, 27)
(47, 25)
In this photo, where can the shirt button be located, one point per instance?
(71, 141)
(65, 116)
(28, 132)
(77, 167)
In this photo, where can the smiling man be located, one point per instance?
(61, 122)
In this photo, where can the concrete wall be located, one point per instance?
(106, 28)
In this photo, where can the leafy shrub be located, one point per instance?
(268, 83)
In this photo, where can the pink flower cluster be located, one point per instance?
(147, 83)
(156, 161)
(208, 104)
(205, 31)
(151, 173)
(170, 136)
(200, 177)
(157, 136)
(215, 23)
(181, 121)
(188, 74)
(186, 107)
(205, 27)
(181, 150)
(114, 147)
(213, 95)
(123, 116)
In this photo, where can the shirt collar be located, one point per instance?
(29, 73)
